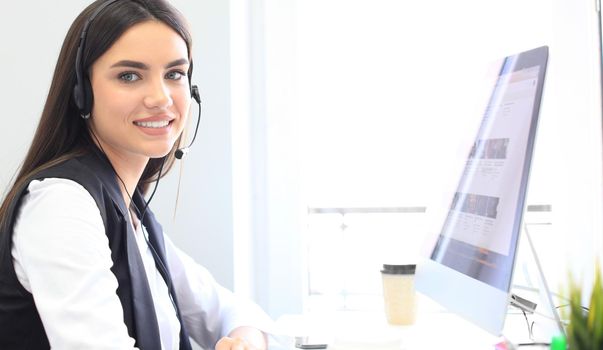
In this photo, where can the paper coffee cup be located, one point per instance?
(399, 293)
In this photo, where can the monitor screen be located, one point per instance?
(476, 247)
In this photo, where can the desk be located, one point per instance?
(433, 329)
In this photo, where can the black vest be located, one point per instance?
(20, 324)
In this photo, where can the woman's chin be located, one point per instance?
(160, 153)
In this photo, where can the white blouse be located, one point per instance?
(62, 256)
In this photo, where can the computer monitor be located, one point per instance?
(471, 265)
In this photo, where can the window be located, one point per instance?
(390, 95)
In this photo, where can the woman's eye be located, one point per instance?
(175, 75)
(129, 77)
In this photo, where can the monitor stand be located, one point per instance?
(542, 287)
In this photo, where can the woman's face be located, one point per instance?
(141, 93)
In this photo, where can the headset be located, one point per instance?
(82, 91)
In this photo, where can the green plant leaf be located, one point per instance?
(585, 329)
(595, 316)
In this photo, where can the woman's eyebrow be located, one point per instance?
(130, 64)
(140, 65)
(177, 62)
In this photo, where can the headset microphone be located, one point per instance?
(181, 152)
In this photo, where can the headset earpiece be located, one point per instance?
(88, 97)
(82, 96)
(78, 97)
(195, 93)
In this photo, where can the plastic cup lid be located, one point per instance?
(399, 269)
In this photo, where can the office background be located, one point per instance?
(341, 104)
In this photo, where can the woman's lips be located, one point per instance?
(154, 126)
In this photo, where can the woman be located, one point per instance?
(83, 262)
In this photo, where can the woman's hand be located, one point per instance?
(228, 343)
(243, 338)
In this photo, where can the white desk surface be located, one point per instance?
(434, 329)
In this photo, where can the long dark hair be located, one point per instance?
(62, 134)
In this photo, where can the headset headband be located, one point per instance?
(82, 91)
(80, 95)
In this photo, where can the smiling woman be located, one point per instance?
(84, 264)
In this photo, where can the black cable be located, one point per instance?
(163, 271)
(144, 211)
(530, 327)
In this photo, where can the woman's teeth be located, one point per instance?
(158, 124)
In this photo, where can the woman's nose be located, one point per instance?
(158, 95)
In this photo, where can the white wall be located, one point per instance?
(277, 210)
(29, 53)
